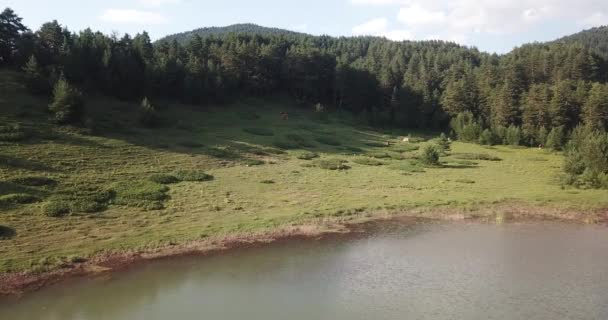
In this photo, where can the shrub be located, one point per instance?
(466, 127)
(34, 181)
(513, 136)
(307, 155)
(443, 143)
(142, 193)
(267, 181)
(163, 178)
(186, 175)
(368, 161)
(331, 164)
(556, 138)
(68, 105)
(253, 162)
(10, 200)
(56, 208)
(328, 141)
(476, 156)
(587, 158)
(488, 137)
(430, 155)
(12, 133)
(259, 131)
(379, 155)
(148, 115)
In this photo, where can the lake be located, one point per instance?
(395, 270)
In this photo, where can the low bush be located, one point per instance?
(476, 156)
(376, 144)
(368, 161)
(12, 133)
(267, 181)
(430, 155)
(331, 164)
(379, 155)
(328, 141)
(307, 155)
(259, 131)
(56, 208)
(68, 105)
(11, 200)
(81, 200)
(253, 162)
(193, 175)
(141, 193)
(34, 181)
(163, 178)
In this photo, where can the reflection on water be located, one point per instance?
(422, 271)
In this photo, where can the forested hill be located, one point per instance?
(594, 38)
(247, 28)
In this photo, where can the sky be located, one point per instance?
(490, 25)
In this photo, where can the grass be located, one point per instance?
(163, 178)
(11, 200)
(328, 141)
(259, 131)
(368, 161)
(113, 173)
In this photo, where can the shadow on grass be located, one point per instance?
(18, 163)
(7, 233)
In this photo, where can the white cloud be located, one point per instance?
(417, 16)
(379, 27)
(458, 20)
(133, 16)
(372, 27)
(157, 3)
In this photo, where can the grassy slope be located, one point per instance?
(236, 200)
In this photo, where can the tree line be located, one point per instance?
(538, 94)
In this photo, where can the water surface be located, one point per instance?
(422, 271)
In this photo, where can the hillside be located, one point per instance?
(69, 194)
(241, 28)
(594, 38)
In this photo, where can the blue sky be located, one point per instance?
(490, 25)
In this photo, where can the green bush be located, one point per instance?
(368, 161)
(466, 127)
(586, 159)
(253, 162)
(68, 105)
(513, 136)
(259, 131)
(476, 156)
(193, 175)
(148, 115)
(34, 181)
(556, 138)
(163, 178)
(267, 181)
(140, 193)
(430, 155)
(12, 133)
(328, 141)
(11, 200)
(306, 155)
(379, 155)
(331, 164)
(56, 208)
(443, 143)
(488, 137)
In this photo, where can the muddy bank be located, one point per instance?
(22, 282)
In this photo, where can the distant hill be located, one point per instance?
(250, 28)
(594, 38)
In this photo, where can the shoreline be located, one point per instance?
(18, 284)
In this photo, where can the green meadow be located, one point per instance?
(70, 193)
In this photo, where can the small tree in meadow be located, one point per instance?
(68, 105)
(443, 143)
(148, 116)
(430, 155)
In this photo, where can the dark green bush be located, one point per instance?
(328, 141)
(163, 178)
(557, 138)
(193, 175)
(306, 155)
(34, 181)
(443, 143)
(488, 137)
(430, 155)
(331, 164)
(253, 162)
(259, 131)
(267, 181)
(68, 105)
(368, 161)
(379, 155)
(56, 208)
(466, 127)
(476, 156)
(513, 136)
